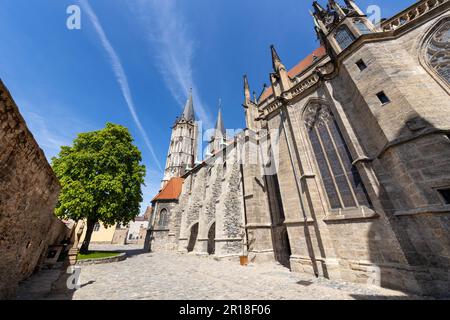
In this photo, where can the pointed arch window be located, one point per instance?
(341, 179)
(163, 218)
(361, 26)
(344, 37)
(438, 51)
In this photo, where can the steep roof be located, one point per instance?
(220, 127)
(171, 190)
(188, 112)
(299, 68)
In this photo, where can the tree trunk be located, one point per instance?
(87, 239)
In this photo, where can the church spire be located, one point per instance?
(276, 61)
(220, 127)
(332, 4)
(352, 5)
(316, 23)
(219, 136)
(318, 9)
(247, 94)
(188, 113)
(280, 73)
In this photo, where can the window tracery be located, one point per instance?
(341, 179)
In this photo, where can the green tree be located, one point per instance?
(101, 177)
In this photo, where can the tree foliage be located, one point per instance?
(101, 177)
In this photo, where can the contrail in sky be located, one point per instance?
(119, 72)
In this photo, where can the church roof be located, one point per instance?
(188, 113)
(171, 190)
(299, 68)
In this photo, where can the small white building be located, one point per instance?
(137, 230)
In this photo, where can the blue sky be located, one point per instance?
(133, 62)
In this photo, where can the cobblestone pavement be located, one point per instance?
(177, 276)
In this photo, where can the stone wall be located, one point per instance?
(163, 237)
(399, 235)
(119, 237)
(411, 151)
(28, 194)
(402, 152)
(209, 215)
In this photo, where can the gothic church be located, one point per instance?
(343, 170)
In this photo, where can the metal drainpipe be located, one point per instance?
(285, 116)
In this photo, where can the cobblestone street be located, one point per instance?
(176, 276)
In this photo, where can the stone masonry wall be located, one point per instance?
(407, 138)
(211, 197)
(163, 236)
(28, 194)
(402, 152)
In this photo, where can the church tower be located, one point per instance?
(339, 25)
(183, 144)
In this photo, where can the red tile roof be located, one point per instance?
(171, 190)
(307, 62)
(299, 68)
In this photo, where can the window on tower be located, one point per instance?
(361, 65)
(445, 194)
(344, 37)
(362, 27)
(384, 99)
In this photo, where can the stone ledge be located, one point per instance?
(299, 222)
(351, 215)
(363, 265)
(261, 251)
(227, 239)
(425, 210)
(258, 225)
(87, 262)
(308, 175)
(160, 230)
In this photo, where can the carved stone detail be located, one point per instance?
(438, 51)
(317, 115)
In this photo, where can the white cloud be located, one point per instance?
(119, 72)
(168, 36)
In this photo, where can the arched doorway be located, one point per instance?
(211, 239)
(193, 237)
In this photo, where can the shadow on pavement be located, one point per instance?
(381, 297)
